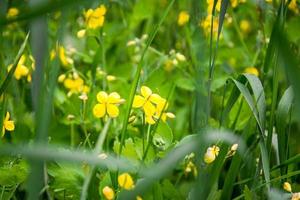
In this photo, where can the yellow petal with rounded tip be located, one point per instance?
(112, 110)
(7, 116)
(149, 108)
(209, 156)
(125, 181)
(149, 120)
(99, 110)
(138, 101)
(9, 125)
(155, 98)
(114, 97)
(102, 97)
(145, 91)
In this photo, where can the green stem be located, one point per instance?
(137, 76)
(97, 150)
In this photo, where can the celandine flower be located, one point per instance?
(21, 69)
(8, 124)
(95, 18)
(252, 70)
(287, 186)
(211, 154)
(125, 181)
(152, 104)
(12, 12)
(107, 104)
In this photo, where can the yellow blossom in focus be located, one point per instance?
(12, 12)
(211, 154)
(8, 124)
(183, 18)
(245, 26)
(107, 104)
(125, 181)
(287, 187)
(108, 193)
(252, 70)
(95, 18)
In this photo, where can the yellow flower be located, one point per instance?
(146, 101)
(211, 154)
(252, 70)
(161, 106)
(287, 187)
(8, 124)
(245, 26)
(21, 69)
(183, 18)
(108, 193)
(81, 33)
(139, 198)
(125, 181)
(64, 59)
(61, 78)
(95, 18)
(12, 12)
(107, 104)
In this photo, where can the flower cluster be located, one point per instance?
(107, 104)
(153, 105)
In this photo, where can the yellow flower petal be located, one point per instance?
(138, 101)
(145, 91)
(149, 108)
(209, 156)
(112, 110)
(7, 116)
(149, 120)
(102, 97)
(155, 98)
(108, 193)
(125, 181)
(114, 97)
(9, 125)
(99, 110)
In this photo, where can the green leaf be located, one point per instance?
(163, 136)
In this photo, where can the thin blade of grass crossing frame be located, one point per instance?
(264, 155)
(241, 89)
(294, 159)
(282, 114)
(224, 5)
(137, 76)
(10, 74)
